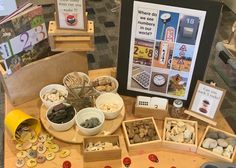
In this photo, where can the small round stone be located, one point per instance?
(223, 143)
(212, 135)
(20, 162)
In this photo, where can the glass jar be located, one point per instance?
(177, 109)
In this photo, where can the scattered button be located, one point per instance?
(20, 162)
(66, 164)
(19, 146)
(26, 146)
(41, 149)
(64, 153)
(31, 162)
(127, 161)
(42, 138)
(50, 155)
(41, 158)
(32, 154)
(53, 148)
(153, 158)
(21, 154)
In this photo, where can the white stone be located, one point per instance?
(177, 138)
(188, 134)
(209, 143)
(227, 154)
(218, 150)
(229, 148)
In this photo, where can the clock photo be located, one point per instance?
(159, 80)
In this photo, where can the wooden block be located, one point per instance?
(180, 146)
(151, 112)
(71, 40)
(112, 154)
(209, 153)
(149, 146)
(25, 84)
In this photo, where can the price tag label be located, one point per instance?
(143, 49)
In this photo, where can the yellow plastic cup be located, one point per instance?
(14, 118)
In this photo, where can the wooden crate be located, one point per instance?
(104, 154)
(71, 40)
(209, 153)
(144, 146)
(151, 112)
(180, 146)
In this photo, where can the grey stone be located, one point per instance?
(212, 135)
(222, 135)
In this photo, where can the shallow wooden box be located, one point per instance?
(144, 146)
(151, 112)
(177, 145)
(104, 154)
(208, 153)
(71, 40)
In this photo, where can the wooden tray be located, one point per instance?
(73, 136)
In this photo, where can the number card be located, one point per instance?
(206, 101)
(160, 50)
(71, 14)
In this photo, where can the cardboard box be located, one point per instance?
(177, 145)
(112, 154)
(142, 146)
(210, 153)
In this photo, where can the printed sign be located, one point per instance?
(164, 45)
(206, 99)
(71, 14)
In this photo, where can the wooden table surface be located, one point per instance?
(167, 157)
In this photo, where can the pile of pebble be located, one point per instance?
(141, 131)
(179, 131)
(219, 143)
(61, 113)
(91, 123)
(54, 95)
(36, 150)
(98, 146)
(104, 84)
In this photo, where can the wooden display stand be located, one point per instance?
(71, 40)
(25, 84)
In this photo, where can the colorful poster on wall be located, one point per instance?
(163, 49)
(71, 14)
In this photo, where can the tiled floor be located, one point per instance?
(105, 55)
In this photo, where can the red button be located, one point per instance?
(107, 167)
(153, 158)
(127, 161)
(66, 164)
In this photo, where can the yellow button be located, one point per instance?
(41, 149)
(54, 148)
(21, 154)
(64, 153)
(31, 162)
(50, 155)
